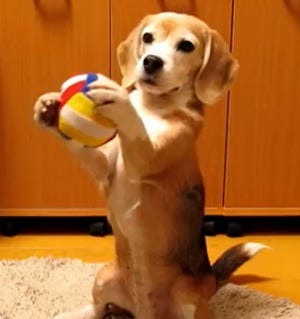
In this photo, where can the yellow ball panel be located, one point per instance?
(79, 136)
(85, 106)
(78, 121)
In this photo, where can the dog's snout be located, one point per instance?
(152, 63)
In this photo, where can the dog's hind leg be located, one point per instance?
(191, 296)
(111, 311)
(111, 298)
(110, 293)
(87, 312)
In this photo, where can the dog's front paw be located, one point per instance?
(112, 100)
(45, 110)
(87, 312)
(71, 316)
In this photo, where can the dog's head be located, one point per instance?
(169, 51)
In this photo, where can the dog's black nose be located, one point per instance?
(152, 63)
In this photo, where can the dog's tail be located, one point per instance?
(233, 258)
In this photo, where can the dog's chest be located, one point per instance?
(124, 195)
(154, 123)
(125, 198)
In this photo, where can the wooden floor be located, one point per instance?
(276, 271)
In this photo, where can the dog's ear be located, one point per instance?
(128, 54)
(218, 71)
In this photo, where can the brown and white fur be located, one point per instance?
(150, 173)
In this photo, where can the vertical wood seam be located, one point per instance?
(110, 20)
(226, 142)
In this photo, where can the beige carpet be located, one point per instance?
(39, 288)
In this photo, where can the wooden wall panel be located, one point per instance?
(264, 131)
(41, 44)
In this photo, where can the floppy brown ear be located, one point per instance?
(128, 53)
(215, 78)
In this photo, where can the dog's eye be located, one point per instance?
(185, 46)
(148, 37)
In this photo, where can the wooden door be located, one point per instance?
(263, 167)
(125, 15)
(41, 44)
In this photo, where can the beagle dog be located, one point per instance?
(172, 65)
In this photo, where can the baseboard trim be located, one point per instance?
(255, 212)
(57, 212)
(210, 211)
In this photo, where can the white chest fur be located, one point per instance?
(125, 195)
(154, 124)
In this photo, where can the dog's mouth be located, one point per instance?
(150, 82)
(177, 88)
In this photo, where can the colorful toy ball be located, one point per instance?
(76, 119)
